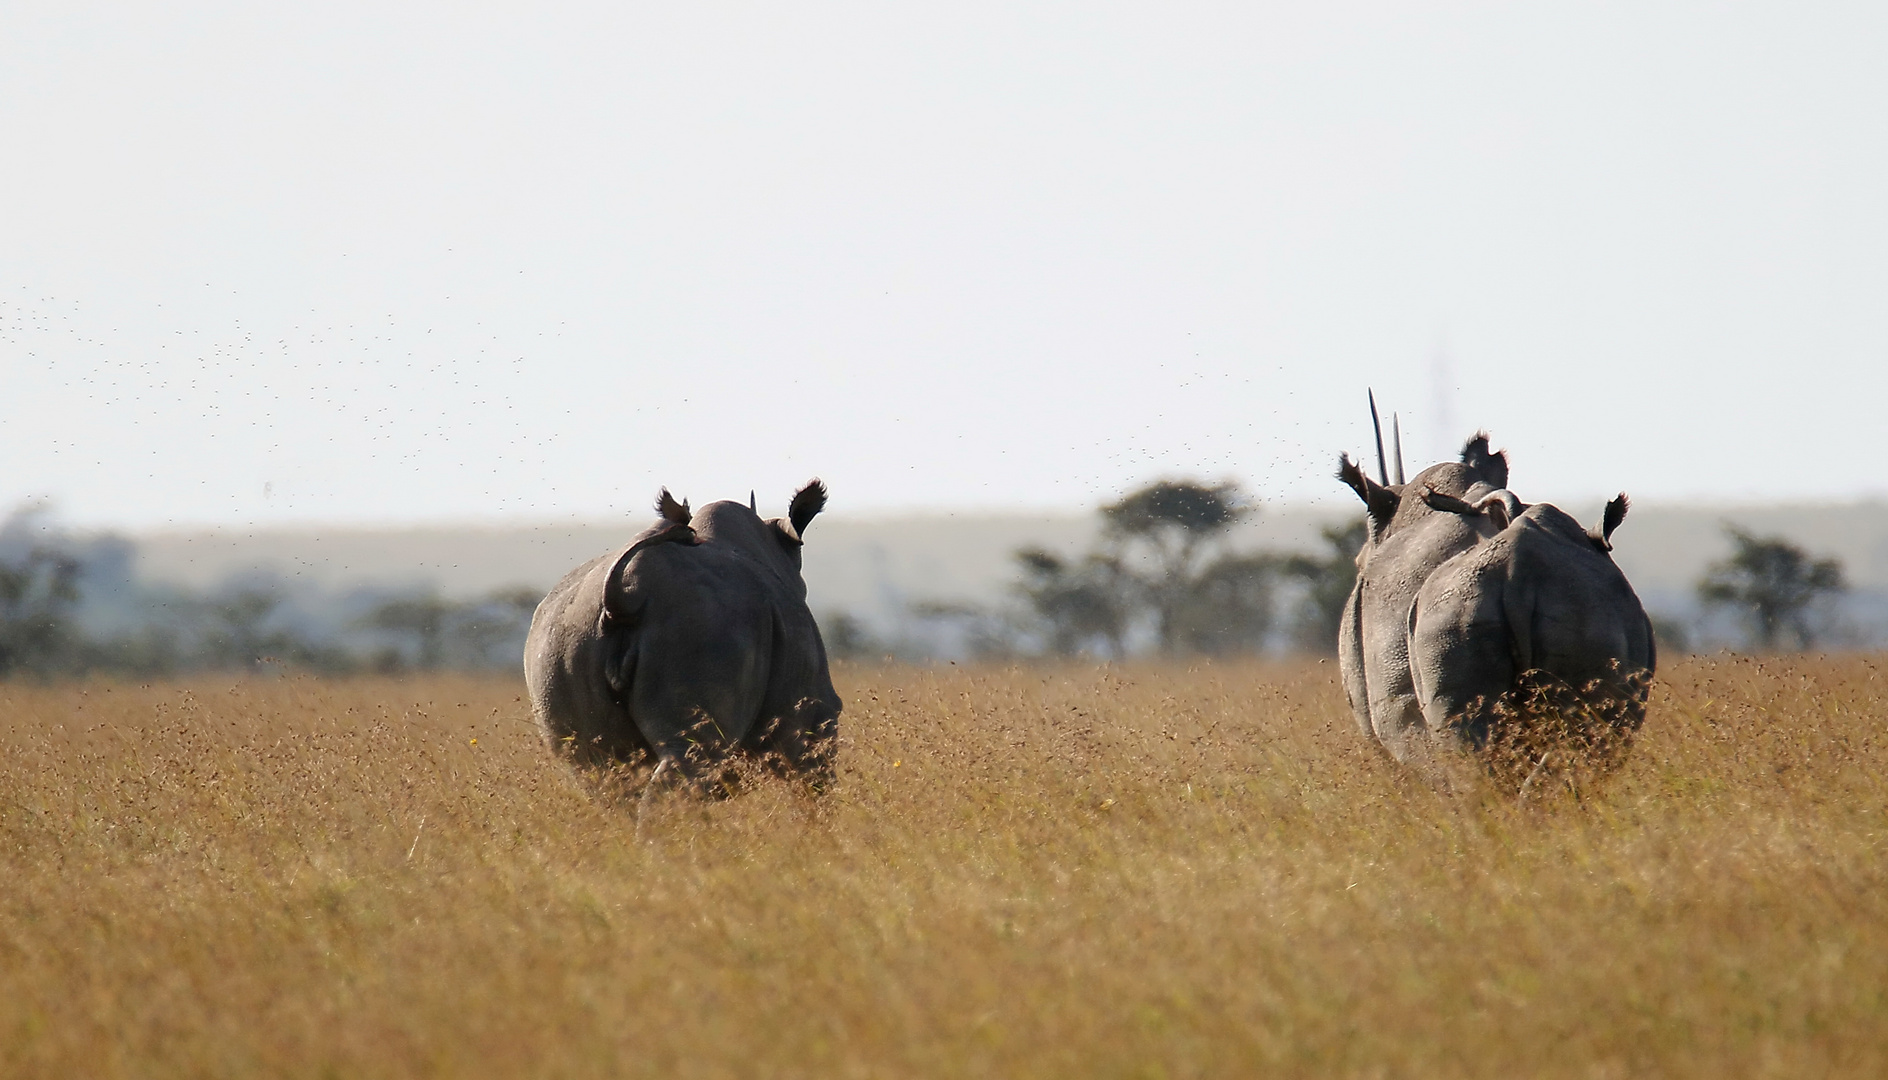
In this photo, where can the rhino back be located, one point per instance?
(799, 666)
(698, 642)
(737, 530)
(720, 632)
(1580, 616)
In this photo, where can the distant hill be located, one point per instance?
(875, 567)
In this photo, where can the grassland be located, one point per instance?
(1142, 871)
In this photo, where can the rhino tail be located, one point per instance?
(619, 671)
(615, 602)
(1448, 504)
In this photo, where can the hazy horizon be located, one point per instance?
(407, 263)
(1344, 505)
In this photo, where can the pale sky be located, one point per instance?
(384, 263)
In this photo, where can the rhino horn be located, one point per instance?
(1602, 534)
(1376, 427)
(753, 505)
(807, 503)
(1396, 443)
(672, 510)
(1379, 501)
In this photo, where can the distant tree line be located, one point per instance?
(1162, 579)
(1163, 571)
(242, 626)
(1776, 589)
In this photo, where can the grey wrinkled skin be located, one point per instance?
(1541, 598)
(1406, 542)
(692, 643)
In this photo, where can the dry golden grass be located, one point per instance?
(1150, 871)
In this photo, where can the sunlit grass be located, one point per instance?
(1143, 871)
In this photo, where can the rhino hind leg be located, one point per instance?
(673, 774)
(691, 772)
(1572, 730)
(801, 742)
(600, 751)
(1397, 722)
(701, 758)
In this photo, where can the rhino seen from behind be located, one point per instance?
(1536, 630)
(1477, 620)
(692, 643)
(1405, 541)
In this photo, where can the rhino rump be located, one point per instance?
(683, 652)
(1536, 605)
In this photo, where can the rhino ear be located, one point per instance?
(1379, 501)
(672, 510)
(807, 503)
(1489, 466)
(1602, 536)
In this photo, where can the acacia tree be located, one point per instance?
(1173, 522)
(38, 593)
(1082, 605)
(1227, 606)
(488, 632)
(39, 596)
(846, 636)
(245, 627)
(424, 616)
(479, 633)
(1773, 584)
(1327, 581)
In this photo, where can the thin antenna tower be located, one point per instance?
(1442, 403)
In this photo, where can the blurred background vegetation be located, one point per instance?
(72, 605)
(1164, 571)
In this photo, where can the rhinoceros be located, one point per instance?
(691, 643)
(1406, 541)
(1539, 610)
